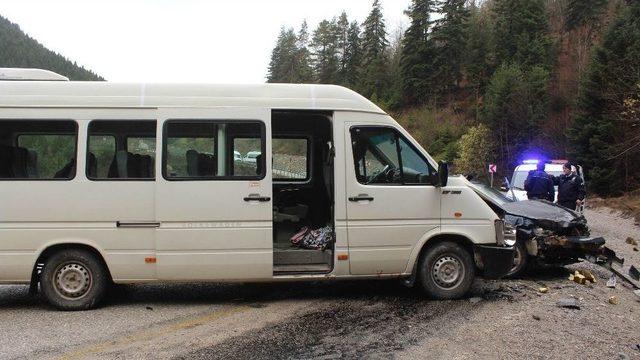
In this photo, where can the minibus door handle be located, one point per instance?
(361, 197)
(257, 197)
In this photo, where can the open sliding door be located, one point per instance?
(213, 199)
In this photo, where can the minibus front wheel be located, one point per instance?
(74, 279)
(446, 271)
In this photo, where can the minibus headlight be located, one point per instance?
(505, 233)
(499, 225)
(509, 234)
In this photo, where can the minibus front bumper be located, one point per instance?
(494, 261)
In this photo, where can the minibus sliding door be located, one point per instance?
(213, 199)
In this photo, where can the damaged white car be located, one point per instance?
(543, 232)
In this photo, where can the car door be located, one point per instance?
(214, 207)
(392, 203)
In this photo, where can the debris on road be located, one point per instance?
(536, 317)
(611, 283)
(569, 303)
(613, 300)
(149, 308)
(543, 290)
(475, 300)
(637, 292)
(631, 241)
(584, 277)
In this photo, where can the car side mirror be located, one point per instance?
(443, 174)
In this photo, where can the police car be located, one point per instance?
(514, 189)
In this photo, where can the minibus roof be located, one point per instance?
(99, 94)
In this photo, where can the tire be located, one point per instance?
(446, 271)
(74, 279)
(520, 261)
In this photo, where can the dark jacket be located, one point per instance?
(570, 188)
(539, 185)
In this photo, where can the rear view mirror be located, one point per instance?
(443, 173)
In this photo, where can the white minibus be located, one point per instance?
(104, 183)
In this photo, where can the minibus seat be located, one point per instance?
(199, 164)
(92, 165)
(192, 162)
(32, 164)
(19, 160)
(67, 170)
(141, 166)
(5, 162)
(126, 165)
(259, 163)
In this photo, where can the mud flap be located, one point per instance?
(494, 261)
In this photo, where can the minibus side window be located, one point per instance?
(38, 150)
(121, 150)
(384, 156)
(213, 150)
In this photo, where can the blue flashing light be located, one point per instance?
(531, 161)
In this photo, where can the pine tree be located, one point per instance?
(605, 134)
(352, 56)
(303, 61)
(374, 62)
(478, 63)
(417, 53)
(522, 33)
(324, 45)
(450, 36)
(343, 44)
(283, 58)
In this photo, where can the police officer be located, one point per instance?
(539, 185)
(571, 191)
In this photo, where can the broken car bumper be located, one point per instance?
(495, 261)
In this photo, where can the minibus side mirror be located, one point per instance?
(443, 174)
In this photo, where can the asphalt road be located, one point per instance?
(355, 319)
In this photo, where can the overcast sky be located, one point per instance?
(216, 41)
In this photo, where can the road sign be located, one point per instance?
(492, 168)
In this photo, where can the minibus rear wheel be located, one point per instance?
(446, 271)
(74, 279)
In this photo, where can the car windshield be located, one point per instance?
(490, 194)
(520, 176)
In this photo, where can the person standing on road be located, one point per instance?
(539, 184)
(571, 189)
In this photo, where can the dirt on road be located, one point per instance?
(366, 319)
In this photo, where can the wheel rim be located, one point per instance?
(517, 260)
(447, 272)
(72, 280)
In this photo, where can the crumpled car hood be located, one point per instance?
(545, 213)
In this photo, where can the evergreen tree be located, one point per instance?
(478, 62)
(605, 134)
(352, 56)
(521, 33)
(374, 62)
(417, 53)
(305, 72)
(283, 58)
(343, 44)
(324, 45)
(450, 37)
